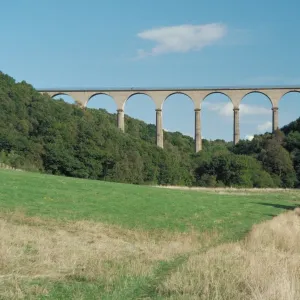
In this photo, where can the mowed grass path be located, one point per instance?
(142, 207)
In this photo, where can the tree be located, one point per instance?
(276, 160)
(39, 133)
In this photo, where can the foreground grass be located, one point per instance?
(76, 260)
(263, 266)
(83, 260)
(64, 238)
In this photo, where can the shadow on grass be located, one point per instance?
(271, 215)
(280, 206)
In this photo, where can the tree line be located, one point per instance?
(40, 134)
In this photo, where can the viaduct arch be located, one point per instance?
(197, 95)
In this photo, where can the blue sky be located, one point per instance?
(134, 43)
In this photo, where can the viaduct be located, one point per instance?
(197, 95)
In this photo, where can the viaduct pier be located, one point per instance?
(197, 95)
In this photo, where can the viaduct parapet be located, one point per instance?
(197, 95)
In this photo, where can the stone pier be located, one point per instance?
(197, 95)
(198, 138)
(120, 119)
(159, 129)
(236, 125)
(275, 118)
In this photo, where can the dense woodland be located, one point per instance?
(40, 134)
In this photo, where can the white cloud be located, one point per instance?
(247, 109)
(182, 38)
(249, 137)
(188, 134)
(264, 126)
(226, 109)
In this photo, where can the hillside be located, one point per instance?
(38, 133)
(132, 206)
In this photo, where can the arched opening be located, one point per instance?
(179, 117)
(289, 108)
(64, 97)
(255, 115)
(140, 117)
(103, 102)
(217, 117)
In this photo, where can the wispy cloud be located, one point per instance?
(261, 128)
(264, 127)
(189, 134)
(223, 109)
(226, 109)
(249, 137)
(246, 109)
(182, 38)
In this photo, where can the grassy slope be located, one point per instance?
(138, 206)
(133, 207)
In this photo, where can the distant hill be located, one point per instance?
(51, 136)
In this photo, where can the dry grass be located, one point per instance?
(35, 248)
(7, 167)
(264, 266)
(228, 190)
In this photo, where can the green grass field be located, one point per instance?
(134, 206)
(131, 207)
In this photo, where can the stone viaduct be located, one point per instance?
(120, 96)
